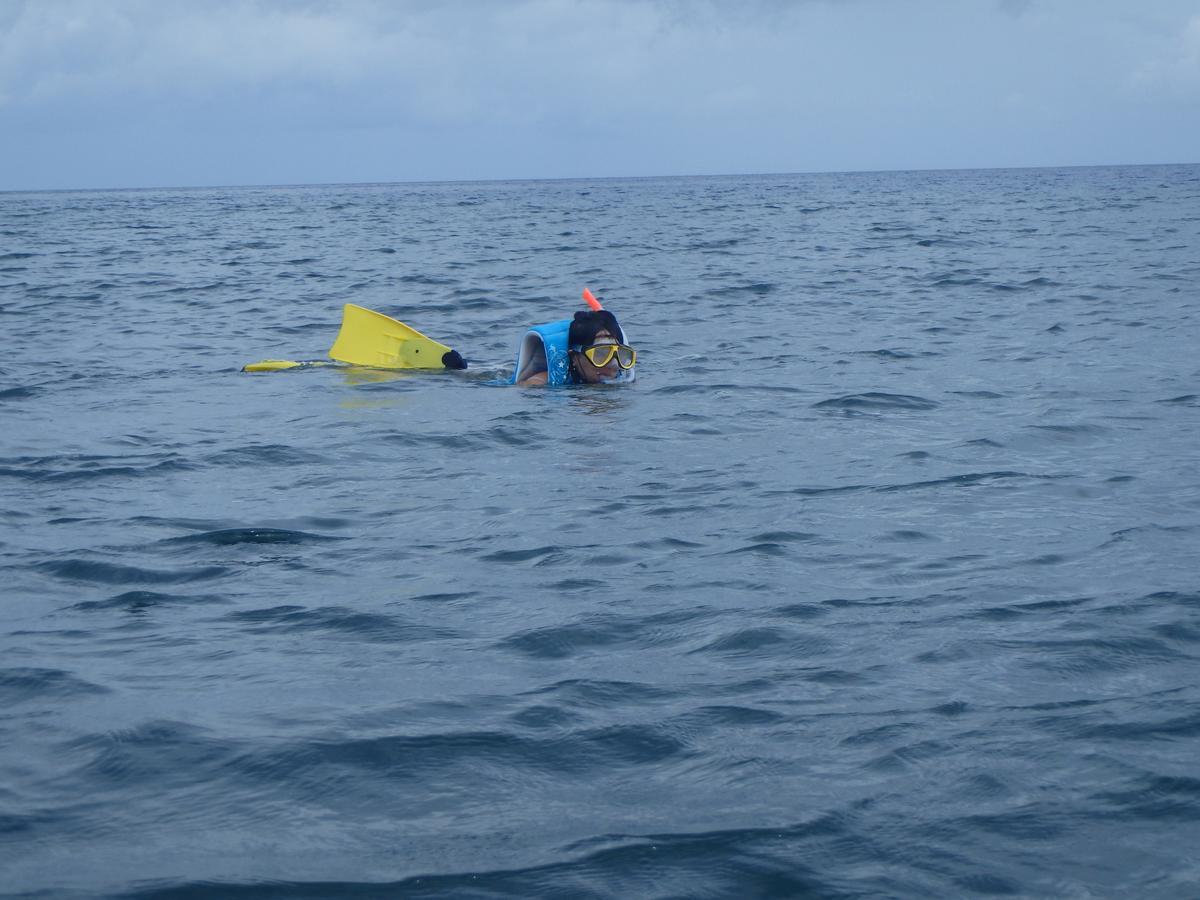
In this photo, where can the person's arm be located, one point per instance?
(535, 379)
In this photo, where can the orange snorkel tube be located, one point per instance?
(590, 299)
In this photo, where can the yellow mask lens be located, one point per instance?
(601, 355)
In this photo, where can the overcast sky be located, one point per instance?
(139, 93)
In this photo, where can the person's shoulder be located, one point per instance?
(535, 379)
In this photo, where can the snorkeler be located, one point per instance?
(588, 349)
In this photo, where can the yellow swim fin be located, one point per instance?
(368, 338)
(274, 365)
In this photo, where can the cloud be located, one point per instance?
(59, 49)
(1176, 72)
(376, 89)
(370, 62)
(1015, 7)
(71, 49)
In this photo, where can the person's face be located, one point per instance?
(596, 374)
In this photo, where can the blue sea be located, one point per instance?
(882, 580)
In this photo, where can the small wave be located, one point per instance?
(802, 611)
(18, 685)
(722, 244)
(517, 556)
(725, 387)
(195, 288)
(264, 455)
(908, 535)
(478, 302)
(756, 289)
(761, 548)
(1052, 605)
(828, 491)
(84, 570)
(1133, 729)
(462, 755)
(337, 620)
(884, 353)
(161, 752)
(227, 536)
(835, 677)
(251, 245)
(136, 601)
(563, 641)
(539, 716)
(500, 434)
(965, 480)
(448, 597)
(765, 641)
(1032, 824)
(728, 717)
(19, 393)
(979, 395)
(85, 468)
(1017, 610)
(599, 694)
(1088, 656)
(878, 734)
(950, 281)
(1156, 797)
(417, 278)
(876, 400)
(1177, 598)
(751, 862)
(787, 537)
(1030, 284)
(560, 641)
(1065, 433)
(666, 543)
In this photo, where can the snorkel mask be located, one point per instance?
(600, 355)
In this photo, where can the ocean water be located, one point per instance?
(883, 579)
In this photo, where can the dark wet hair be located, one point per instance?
(588, 324)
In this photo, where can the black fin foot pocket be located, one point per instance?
(452, 359)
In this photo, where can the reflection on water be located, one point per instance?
(610, 400)
(357, 375)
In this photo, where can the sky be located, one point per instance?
(156, 93)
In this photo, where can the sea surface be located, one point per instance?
(882, 580)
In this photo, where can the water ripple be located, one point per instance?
(878, 582)
(875, 401)
(337, 621)
(229, 536)
(97, 572)
(23, 685)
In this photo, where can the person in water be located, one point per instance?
(591, 348)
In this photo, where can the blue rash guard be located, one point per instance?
(544, 349)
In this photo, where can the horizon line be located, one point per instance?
(566, 178)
